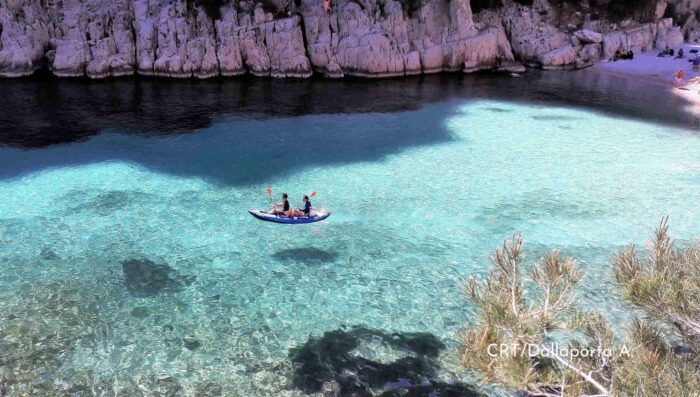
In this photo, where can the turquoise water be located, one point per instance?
(129, 263)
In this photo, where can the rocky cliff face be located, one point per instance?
(687, 14)
(370, 38)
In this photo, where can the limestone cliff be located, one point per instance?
(296, 38)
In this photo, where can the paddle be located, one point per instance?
(269, 193)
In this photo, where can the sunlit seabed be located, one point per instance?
(407, 227)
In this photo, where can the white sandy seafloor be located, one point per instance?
(129, 268)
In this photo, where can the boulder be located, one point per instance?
(671, 37)
(560, 58)
(612, 42)
(641, 38)
(512, 67)
(589, 53)
(587, 36)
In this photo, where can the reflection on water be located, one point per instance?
(42, 111)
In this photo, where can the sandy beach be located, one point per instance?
(661, 71)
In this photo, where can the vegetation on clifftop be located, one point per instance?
(533, 310)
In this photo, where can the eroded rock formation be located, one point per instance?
(369, 38)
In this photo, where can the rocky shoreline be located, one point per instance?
(298, 39)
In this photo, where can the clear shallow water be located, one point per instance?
(116, 249)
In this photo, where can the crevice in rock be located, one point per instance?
(132, 21)
(216, 46)
(302, 26)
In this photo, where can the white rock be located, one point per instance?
(587, 36)
(24, 37)
(371, 38)
(589, 52)
(285, 46)
(412, 63)
(560, 58)
(431, 60)
(228, 49)
(71, 58)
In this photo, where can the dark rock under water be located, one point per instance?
(143, 278)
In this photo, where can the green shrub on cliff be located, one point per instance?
(534, 312)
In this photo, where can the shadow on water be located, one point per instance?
(307, 255)
(223, 129)
(241, 143)
(144, 278)
(338, 360)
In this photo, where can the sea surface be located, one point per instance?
(130, 266)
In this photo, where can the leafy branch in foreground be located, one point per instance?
(531, 337)
(666, 287)
(514, 342)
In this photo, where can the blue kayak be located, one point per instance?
(264, 216)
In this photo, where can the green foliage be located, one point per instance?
(667, 285)
(519, 309)
(529, 310)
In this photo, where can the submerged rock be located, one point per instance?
(140, 312)
(191, 342)
(48, 254)
(143, 277)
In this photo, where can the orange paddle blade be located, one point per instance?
(269, 191)
(313, 194)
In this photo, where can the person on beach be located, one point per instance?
(284, 205)
(303, 211)
(679, 77)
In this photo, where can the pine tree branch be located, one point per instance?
(578, 371)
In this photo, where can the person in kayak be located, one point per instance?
(284, 205)
(303, 211)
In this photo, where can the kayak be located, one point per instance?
(264, 216)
